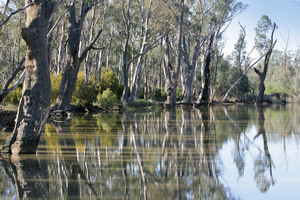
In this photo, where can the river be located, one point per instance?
(218, 152)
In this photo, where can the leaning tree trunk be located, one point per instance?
(35, 102)
(69, 77)
(70, 73)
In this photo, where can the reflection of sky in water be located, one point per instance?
(194, 150)
(285, 169)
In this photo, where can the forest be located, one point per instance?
(123, 52)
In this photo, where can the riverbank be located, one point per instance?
(8, 114)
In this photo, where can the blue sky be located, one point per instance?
(285, 13)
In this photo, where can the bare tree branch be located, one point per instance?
(236, 82)
(5, 91)
(89, 47)
(51, 15)
(56, 23)
(153, 45)
(12, 14)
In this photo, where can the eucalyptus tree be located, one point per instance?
(136, 18)
(94, 20)
(145, 15)
(150, 37)
(240, 59)
(35, 102)
(219, 16)
(265, 47)
(12, 46)
(74, 56)
(127, 17)
(171, 69)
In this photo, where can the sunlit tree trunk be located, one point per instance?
(60, 51)
(138, 72)
(190, 70)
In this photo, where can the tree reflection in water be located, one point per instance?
(173, 154)
(263, 161)
(21, 170)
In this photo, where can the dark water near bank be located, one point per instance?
(232, 152)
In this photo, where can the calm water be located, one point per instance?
(232, 152)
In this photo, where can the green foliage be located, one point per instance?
(83, 96)
(243, 86)
(109, 80)
(160, 94)
(179, 94)
(141, 94)
(14, 97)
(264, 25)
(107, 99)
(55, 84)
(227, 76)
(108, 126)
(222, 82)
(281, 80)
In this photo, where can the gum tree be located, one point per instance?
(265, 47)
(35, 102)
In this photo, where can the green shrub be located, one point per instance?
(14, 97)
(83, 96)
(160, 94)
(179, 94)
(109, 80)
(55, 84)
(107, 99)
(141, 94)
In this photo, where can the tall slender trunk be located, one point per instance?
(35, 102)
(109, 48)
(60, 50)
(171, 72)
(190, 70)
(99, 69)
(205, 72)
(87, 59)
(138, 72)
(127, 19)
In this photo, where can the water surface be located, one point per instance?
(221, 152)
